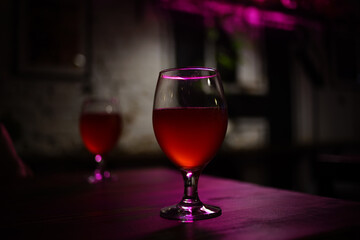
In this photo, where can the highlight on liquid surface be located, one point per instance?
(100, 131)
(190, 137)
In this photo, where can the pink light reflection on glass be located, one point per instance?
(187, 78)
(208, 211)
(190, 77)
(98, 158)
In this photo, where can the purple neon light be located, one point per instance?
(253, 16)
(279, 20)
(235, 15)
(289, 4)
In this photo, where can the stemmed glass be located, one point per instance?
(190, 121)
(100, 127)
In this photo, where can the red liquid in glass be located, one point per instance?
(190, 137)
(100, 131)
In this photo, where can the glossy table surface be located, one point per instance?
(65, 206)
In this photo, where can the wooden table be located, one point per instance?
(65, 206)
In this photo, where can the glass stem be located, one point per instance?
(100, 165)
(191, 179)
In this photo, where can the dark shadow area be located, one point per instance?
(189, 231)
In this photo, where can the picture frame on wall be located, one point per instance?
(52, 38)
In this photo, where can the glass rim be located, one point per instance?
(189, 68)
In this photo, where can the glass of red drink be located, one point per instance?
(190, 121)
(100, 127)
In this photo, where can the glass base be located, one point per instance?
(190, 213)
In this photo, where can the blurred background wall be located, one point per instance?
(290, 71)
(122, 45)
